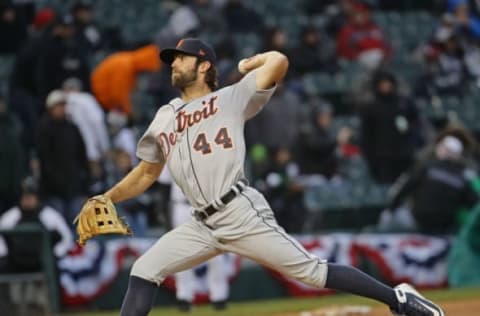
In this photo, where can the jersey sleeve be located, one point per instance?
(148, 148)
(251, 100)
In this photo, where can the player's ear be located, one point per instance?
(204, 66)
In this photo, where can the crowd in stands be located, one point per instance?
(79, 94)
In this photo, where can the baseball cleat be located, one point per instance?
(412, 303)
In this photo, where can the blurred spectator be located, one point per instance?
(361, 39)
(24, 91)
(211, 19)
(313, 7)
(12, 157)
(24, 253)
(391, 130)
(319, 148)
(63, 160)
(281, 190)
(226, 62)
(314, 53)
(25, 9)
(276, 38)
(278, 123)
(444, 70)
(437, 189)
(114, 79)
(60, 58)
(334, 12)
(88, 116)
(122, 134)
(87, 34)
(30, 209)
(467, 16)
(43, 18)
(236, 13)
(183, 22)
(13, 30)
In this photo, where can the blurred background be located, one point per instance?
(367, 152)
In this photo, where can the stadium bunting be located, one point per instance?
(87, 273)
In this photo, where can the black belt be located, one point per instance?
(236, 189)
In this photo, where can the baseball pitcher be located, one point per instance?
(199, 137)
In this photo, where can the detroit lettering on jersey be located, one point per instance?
(184, 120)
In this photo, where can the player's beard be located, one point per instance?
(182, 80)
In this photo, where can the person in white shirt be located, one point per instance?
(84, 111)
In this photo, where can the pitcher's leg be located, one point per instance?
(139, 297)
(271, 246)
(274, 248)
(182, 248)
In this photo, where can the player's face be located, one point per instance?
(184, 71)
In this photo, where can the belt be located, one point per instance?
(237, 188)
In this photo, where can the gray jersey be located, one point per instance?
(202, 141)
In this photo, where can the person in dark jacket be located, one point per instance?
(87, 34)
(236, 13)
(437, 189)
(391, 130)
(12, 157)
(61, 58)
(63, 160)
(24, 95)
(314, 53)
(319, 145)
(13, 30)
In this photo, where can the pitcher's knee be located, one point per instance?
(314, 275)
(146, 270)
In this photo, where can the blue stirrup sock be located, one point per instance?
(354, 281)
(139, 298)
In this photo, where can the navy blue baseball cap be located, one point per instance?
(189, 46)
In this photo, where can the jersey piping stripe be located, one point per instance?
(173, 107)
(181, 107)
(193, 168)
(284, 235)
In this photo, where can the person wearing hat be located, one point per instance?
(61, 153)
(429, 198)
(23, 253)
(199, 136)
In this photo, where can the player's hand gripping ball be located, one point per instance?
(98, 217)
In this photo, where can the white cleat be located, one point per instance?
(412, 303)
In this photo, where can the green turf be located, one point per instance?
(269, 307)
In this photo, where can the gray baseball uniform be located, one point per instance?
(203, 146)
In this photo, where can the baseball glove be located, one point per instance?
(98, 217)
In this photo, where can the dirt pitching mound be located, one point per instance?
(470, 307)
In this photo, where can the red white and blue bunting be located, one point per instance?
(87, 273)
